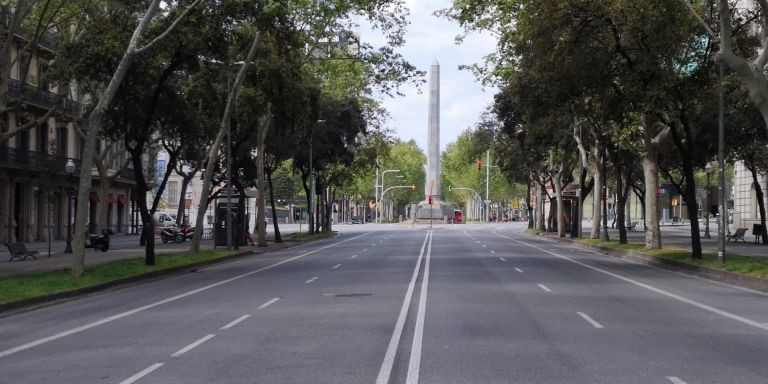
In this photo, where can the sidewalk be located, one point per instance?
(679, 236)
(121, 247)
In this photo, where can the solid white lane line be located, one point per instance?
(676, 380)
(353, 257)
(651, 288)
(235, 322)
(310, 280)
(141, 374)
(268, 303)
(502, 259)
(193, 345)
(544, 287)
(134, 311)
(492, 251)
(336, 266)
(519, 270)
(389, 357)
(418, 335)
(590, 320)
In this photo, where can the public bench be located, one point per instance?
(738, 235)
(20, 251)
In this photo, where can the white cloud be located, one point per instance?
(461, 96)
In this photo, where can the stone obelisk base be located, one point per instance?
(438, 211)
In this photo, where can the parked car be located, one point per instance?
(356, 220)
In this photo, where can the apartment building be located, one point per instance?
(35, 186)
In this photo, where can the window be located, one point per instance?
(173, 190)
(42, 138)
(62, 140)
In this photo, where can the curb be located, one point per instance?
(71, 294)
(733, 278)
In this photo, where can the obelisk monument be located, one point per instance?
(438, 210)
(432, 183)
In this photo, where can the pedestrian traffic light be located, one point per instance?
(429, 199)
(479, 164)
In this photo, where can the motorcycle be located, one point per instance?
(96, 241)
(172, 234)
(187, 231)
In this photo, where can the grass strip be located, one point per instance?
(25, 286)
(304, 237)
(733, 263)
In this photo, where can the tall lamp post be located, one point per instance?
(381, 197)
(70, 169)
(708, 170)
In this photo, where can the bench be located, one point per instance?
(20, 251)
(738, 235)
(632, 226)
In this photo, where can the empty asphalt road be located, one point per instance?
(392, 304)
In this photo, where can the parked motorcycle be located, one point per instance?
(172, 234)
(96, 241)
(188, 231)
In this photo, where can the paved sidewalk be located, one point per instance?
(679, 236)
(125, 247)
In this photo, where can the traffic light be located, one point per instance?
(429, 199)
(479, 164)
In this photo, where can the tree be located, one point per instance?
(96, 117)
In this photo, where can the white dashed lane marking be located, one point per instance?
(234, 322)
(268, 303)
(310, 280)
(544, 287)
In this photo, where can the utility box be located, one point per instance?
(239, 222)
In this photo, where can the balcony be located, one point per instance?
(50, 43)
(35, 161)
(41, 98)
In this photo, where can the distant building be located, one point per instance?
(745, 207)
(342, 45)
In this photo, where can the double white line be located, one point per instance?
(394, 342)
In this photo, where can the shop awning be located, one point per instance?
(122, 199)
(111, 198)
(95, 197)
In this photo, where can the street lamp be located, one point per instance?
(70, 169)
(378, 210)
(708, 170)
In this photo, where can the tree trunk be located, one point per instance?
(310, 220)
(149, 232)
(541, 225)
(529, 206)
(264, 123)
(760, 204)
(182, 198)
(213, 151)
(278, 238)
(558, 183)
(597, 193)
(689, 194)
(620, 207)
(651, 178)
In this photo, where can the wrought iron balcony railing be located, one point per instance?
(35, 161)
(41, 97)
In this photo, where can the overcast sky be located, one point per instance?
(462, 98)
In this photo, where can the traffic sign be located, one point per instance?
(487, 201)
